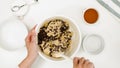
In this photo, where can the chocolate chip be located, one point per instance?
(64, 28)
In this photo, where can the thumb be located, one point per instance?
(33, 37)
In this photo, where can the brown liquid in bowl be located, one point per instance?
(91, 16)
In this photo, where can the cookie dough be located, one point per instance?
(54, 37)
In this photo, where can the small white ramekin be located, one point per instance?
(93, 44)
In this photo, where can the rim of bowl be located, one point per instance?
(79, 33)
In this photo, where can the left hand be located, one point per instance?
(32, 49)
(31, 44)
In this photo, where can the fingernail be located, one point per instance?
(75, 58)
(82, 58)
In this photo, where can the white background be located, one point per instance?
(107, 26)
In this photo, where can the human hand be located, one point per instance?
(31, 44)
(31, 48)
(82, 63)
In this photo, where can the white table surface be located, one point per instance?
(107, 26)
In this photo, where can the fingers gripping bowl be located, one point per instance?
(58, 35)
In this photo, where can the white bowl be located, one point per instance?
(76, 38)
(12, 34)
(93, 44)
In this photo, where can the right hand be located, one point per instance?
(82, 63)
